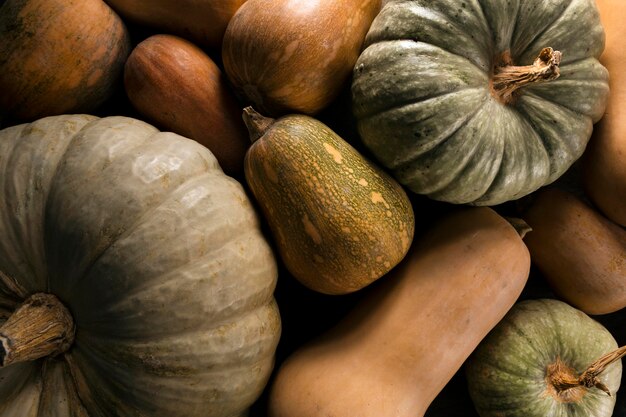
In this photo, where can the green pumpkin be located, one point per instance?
(153, 263)
(461, 102)
(530, 364)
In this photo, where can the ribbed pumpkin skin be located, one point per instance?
(339, 221)
(59, 56)
(423, 100)
(158, 256)
(507, 372)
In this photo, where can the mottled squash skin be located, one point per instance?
(338, 220)
(59, 56)
(508, 373)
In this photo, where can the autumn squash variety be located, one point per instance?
(293, 56)
(339, 222)
(201, 21)
(175, 84)
(581, 254)
(480, 101)
(134, 278)
(605, 158)
(392, 355)
(545, 358)
(58, 56)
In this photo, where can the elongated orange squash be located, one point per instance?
(393, 354)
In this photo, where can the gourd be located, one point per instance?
(58, 56)
(338, 221)
(545, 358)
(413, 330)
(201, 21)
(604, 161)
(138, 241)
(294, 56)
(175, 84)
(581, 254)
(481, 101)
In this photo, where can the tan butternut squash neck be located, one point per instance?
(256, 123)
(508, 78)
(42, 326)
(569, 387)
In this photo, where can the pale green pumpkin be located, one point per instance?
(158, 258)
(513, 372)
(442, 102)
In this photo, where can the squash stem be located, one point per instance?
(563, 378)
(508, 78)
(41, 326)
(256, 123)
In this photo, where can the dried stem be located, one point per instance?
(40, 327)
(256, 123)
(563, 378)
(508, 78)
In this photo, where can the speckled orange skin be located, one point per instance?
(58, 56)
(294, 56)
(339, 222)
(581, 253)
(176, 85)
(605, 157)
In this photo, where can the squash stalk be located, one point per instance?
(256, 123)
(563, 379)
(41, 326)
(508, 78)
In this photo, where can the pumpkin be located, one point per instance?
(138, 241)
(290, 56)
(58, 56)
(605, 158)
(581, 253)
(545, 358)
(339, 222)
(201, 21)
(481, 101)
(175, 84)
(413, 330)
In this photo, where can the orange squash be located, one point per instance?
(176, 85)
(605, 158)
(581, 254)
(59, 56)
(393, 354)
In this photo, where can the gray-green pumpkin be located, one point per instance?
(136, 239)
(480, 101)
(545, 359)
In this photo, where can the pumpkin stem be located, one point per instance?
(507, 78)
(256, 123)
(563, 378)
(41, 326)
(520, 226)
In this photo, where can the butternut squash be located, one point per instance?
(581, 254)
(393, 354)
(605, 158)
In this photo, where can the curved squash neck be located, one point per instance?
(41, 326)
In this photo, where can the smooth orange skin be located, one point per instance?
(581, 254)
(201, 21)
(59, 56)
(393, 354)
(176, 85)
(604, 161)
(294, 56)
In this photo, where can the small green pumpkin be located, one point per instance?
(139, 242)
(448, 96)
(338, 220)
(545, 358)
